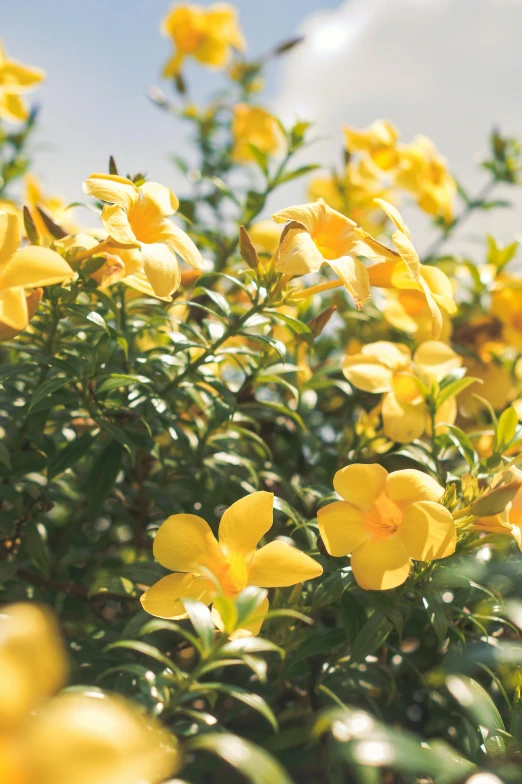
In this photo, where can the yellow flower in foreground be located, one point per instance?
(85, 738)
(316, 234)
(385, 367)
(15, 80)
(424, 173)
(53, 205)
(186, 545)
(403, 271)
(23, 268)
(136, 217)
(254, 125)
(207, 34)
(379, 141)
(385, 521)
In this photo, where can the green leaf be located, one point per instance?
(201, 619)
(248, 601)
(36, 548)
(5, 457)
(477, 703)
(98, 319)
(330, 590)
(47, 388)
(506, 428)
(253, 762)
(103, 475)
(253, 701)
(145, 649)
(463, 444)
(111, 583)
(69, 455)
(455, 388)
(300, 172)
(436, 615)
(371, 637)
(117, 380)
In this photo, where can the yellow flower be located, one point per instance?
(53, 205)
(423, 172)
(32, 300)
(408, 310)
(353, 194)
(15, 80)
(506, 305)
(317, 234)
(403, 270)
(379, 141)
(385, 521)
(85, 738)
(136, 219)
(387, 368)
(254, 125)
(186, 545)
(23, 268)
(207, 34)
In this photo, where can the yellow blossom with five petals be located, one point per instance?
(423, 172)
(379, 141)
(16, 80)
(202, 566)
(136, 219)
(207, 34)
(385, 521)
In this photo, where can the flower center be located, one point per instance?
(383, 518)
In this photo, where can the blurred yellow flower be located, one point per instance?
(16, 80)
(384, 521)
(53, 205)
(265, 235)
(423, 172)
(403, 271)
(254, 125)
(136, 219)
(379, 141)
(204, 566)
(506, 305)
(23, 268)
(354, 193)
(80, 737)
(207, 34)
(316, 234)
(385, 367)
(408, 310)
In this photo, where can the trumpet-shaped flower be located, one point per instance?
(424, 173)
(387, 368)
(88, 739)
(207, 34)
(385, 521)
(203, 566)
(53, 205)
(23, 268)
(254, 125)
(136, 218)
(16, 80)
(379, 141)
(403, 270)
(316, 234)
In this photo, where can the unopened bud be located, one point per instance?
(495, 501)
(113, 169)
(53, 228)
(247, 249)
(317, 324)
(30, 228)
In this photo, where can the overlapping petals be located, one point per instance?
(253, 125)
(16, 80)
(205, 567)
(384, 521)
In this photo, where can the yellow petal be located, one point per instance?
(139, 282)
(34, 266)
(246, 522)
(33, 300)
(161, 268)
(436, 359)
(164, 598)
(116, 223)
(394, 215)
(408, 254)
(381, 564)
(277, 565)
(20, 78)
(446, 414)
(179, 242)
(402, 421)
(360, 484)
(366, 374)
(12, 107)
(14, 313)
(409, 485)
(342, 527)
(113, 189)
(93, 738)
(308, 215)
(33, 661)
(427, 531)
(297, 254)
(394, 355)
(250, 627)
(185, 543)
(9, 235)
(354, 276)
(162, 197)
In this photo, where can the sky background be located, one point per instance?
(448, 69)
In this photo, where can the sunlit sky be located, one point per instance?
(445, 68)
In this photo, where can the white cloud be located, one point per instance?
(449, 69)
